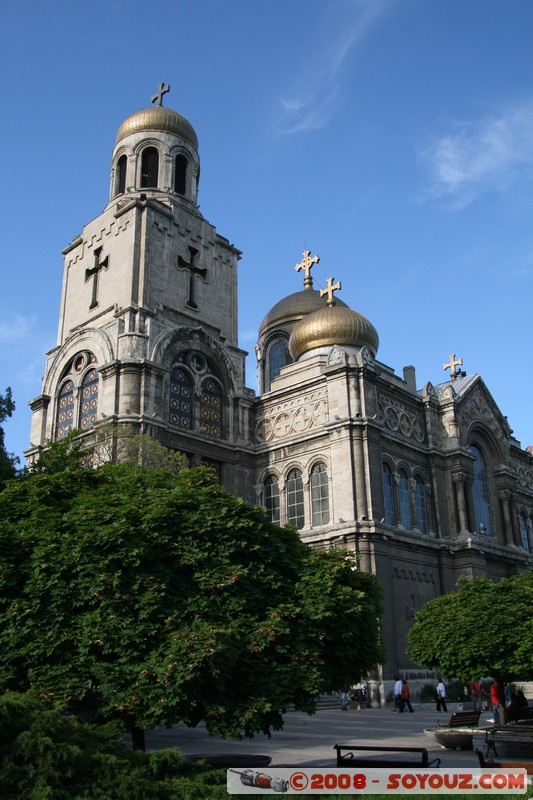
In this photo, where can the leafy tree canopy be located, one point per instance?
(8, 462)
(150, 598)
(483, 628)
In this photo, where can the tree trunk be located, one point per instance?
(137, 739)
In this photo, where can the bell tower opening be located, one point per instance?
(149, 168)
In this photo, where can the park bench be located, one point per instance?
(515, 741)
(388, 757)
(462, 719)
(502, 764)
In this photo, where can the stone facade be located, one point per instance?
(424, 485)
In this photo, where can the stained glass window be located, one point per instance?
(88, 399)
(65, 409)
(181, 397)
(211, 408)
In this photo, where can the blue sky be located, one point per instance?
(394, 138)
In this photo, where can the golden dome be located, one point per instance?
(293, 308)
(158, 118)
(331, 325)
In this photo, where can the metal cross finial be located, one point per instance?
(306, 265)
(454, 373)
(329, 291)
(157, 98)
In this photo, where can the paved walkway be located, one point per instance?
(309, 741)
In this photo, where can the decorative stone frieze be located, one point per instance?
(398, 418)
(293, 417)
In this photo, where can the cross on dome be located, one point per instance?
(306, 265)
(157, 98)
(329, 291)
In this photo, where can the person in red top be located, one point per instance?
(475, 694)
(497, 699)
(405, 698)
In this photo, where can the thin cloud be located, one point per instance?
(480, 156)
(15, 327)
(318, 94)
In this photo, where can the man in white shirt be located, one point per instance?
(397, 691)
(441, 695)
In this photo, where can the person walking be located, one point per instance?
(397, 691)
(475, 694)
(405, 698)
(440, 696)
(497, 700)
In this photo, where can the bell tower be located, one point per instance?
(149, 310)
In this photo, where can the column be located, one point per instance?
(459, 479)
(505, 499)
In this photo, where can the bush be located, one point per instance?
(47, 754)
(427, 693)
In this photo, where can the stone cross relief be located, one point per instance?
(94, 273)
(194, 272)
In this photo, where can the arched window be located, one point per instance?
(211, 408)
(180, 174)
(295, 499)
(524, 533)
(388, 496)
(77, 399)
(319, 495)
(65, 409)
(278, 357)
(181, 397)
(420, 506)
(271, 498)
(480, 493)
(89, 399)
(121, 175)
(405, 501)
(149, 168)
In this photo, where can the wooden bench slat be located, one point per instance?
(463, 719)
(349, 759)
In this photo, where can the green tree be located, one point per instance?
(8, 461)
(136, 595)
(483, 628)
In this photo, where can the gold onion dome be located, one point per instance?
(158, 118)
(293, 308)
(330, 325)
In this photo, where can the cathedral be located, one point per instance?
(426, 484)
